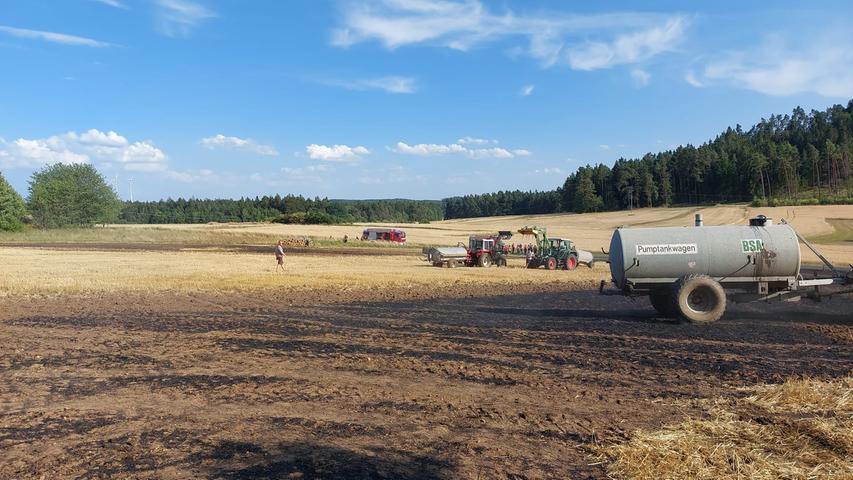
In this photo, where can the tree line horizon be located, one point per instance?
(801, 158)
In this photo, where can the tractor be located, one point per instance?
(485, 250)
(554, 253)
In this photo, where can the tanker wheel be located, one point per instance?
(571, 262)
(700, 299)
(485, 260)
(663, 302)
(551, 263)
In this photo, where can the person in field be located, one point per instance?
(279, 256)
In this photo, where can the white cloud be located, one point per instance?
(475, 141)
(24, 153)
(690, 78)
(178, 18)
(433, 149)
(93, 145)
(629, 48)
(142, 157)
(581, 41)
(53, 37)
(96, 137)
(237, 143)
(390, 84)
(641, 77)
(427, 149)
(527, 90)
(113, 3)
(522, 152)
(604, 146)
(335, 153)
(824, 67)
(548, 170)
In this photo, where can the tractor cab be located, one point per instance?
(476, 243)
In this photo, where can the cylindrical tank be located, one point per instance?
(669, 253)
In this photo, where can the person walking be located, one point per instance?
(279, 256)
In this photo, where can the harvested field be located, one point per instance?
(265, 384)
(43, 271)
(180, 360)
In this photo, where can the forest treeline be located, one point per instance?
(801, 158)
(284, 209)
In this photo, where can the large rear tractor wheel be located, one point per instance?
(551, 263)
(532, 263)
(663, 302)
(571, 262)
(700, 299)
(485, 260)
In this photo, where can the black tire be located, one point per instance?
(501, 262)
(663, 301)
(551, 263)
(485, 260)
(700, 299)
(533, 264)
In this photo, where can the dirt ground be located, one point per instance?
(517, 384)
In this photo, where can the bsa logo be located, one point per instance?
(754, 245)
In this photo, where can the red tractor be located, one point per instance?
(486, 250)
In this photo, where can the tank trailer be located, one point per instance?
(690, 272)
(481, 251)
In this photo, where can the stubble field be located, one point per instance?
(194, 359)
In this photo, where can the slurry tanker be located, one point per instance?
(691, 272)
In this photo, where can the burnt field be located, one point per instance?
(254, 386)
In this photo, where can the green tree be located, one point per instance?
(64, 195)
(12, 208)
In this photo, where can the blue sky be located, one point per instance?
(394, 98)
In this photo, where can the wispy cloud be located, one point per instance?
(640, 77)
(474, 141)
(780, 67)
(221, 141)
(628, 48)
(53, 37)
(336, 153)
(460, 147)
(527, 90)
(390, 84)
(178, 18)
(580, 41)
(113, 3)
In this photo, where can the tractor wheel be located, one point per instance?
(533, 264)
(663, 302)
(700, 299)
(485, 260)
(551, 263)
(571, 262)
(501, 262)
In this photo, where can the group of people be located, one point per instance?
(522, 249)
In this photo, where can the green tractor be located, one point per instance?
(554, 253)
